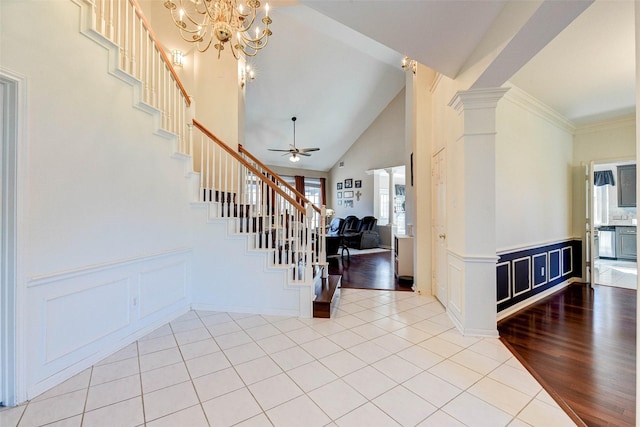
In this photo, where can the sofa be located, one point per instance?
(361, 233)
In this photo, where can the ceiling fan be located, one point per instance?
(293, 150)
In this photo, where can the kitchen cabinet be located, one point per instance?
(627, 186)
(626, 243)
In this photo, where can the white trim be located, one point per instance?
(65, 275)
(535, 298)
(481, 259)
(524, 100)
(510, 249)
(606, 125)
(508, 264)
(546, 269)
(529, 287)
(570, 249)
(13, 146)
(551, 279)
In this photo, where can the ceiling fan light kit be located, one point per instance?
(295, 152)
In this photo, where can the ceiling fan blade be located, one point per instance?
(307, 150)
(275, 149)
(303, 154)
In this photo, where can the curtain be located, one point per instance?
(601, 178)
(323, 192)
(300, 184)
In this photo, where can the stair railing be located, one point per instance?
(256, 206)
(143, 58)
(319, 213)
(259, 202)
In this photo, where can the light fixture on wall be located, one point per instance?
(409, 64)
(247, 74)
(177, 58)
(206, 22)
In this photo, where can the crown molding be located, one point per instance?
(532, 104)
(607, 125)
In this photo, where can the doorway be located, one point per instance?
(10, 94)
(615, 223)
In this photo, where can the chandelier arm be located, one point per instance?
(197, 24)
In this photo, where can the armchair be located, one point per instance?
(335, 236)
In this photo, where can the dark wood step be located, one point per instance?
(327, 294)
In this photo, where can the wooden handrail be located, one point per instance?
(147, 26)
(249, 166)
(242, 150)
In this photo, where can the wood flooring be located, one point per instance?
(367, 271)
(581, 345)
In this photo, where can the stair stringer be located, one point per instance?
(305, 290)
(87, 29)
(254, 285)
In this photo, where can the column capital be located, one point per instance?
(475, 99)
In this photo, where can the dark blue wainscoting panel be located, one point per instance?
(522, 274)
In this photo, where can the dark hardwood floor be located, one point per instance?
(580, 343)
(367, 271)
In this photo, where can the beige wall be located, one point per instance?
(534, 149)
(380, 146)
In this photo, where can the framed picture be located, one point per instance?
(348, 183)
(348, 203)
(348, 194)
(339, 202)
(339, 185)
(339, 194)
(412, 169)
(358, 184)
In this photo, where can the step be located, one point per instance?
(327, 295)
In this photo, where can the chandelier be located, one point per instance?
(206, 22)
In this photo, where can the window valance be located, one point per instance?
(601, 178)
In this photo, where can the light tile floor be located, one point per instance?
(611, 272)
(386, 359)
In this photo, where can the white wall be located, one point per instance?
(534, 184)
(380, 146)
(109, 245)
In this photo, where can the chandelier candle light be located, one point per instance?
(204, 22)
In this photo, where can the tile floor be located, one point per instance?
(386, 359)
(611, 272)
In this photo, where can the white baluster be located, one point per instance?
(134, 44)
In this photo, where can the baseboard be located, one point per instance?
(537, 297)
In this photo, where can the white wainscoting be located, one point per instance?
(76, 318)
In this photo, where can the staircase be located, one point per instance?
(234, 186)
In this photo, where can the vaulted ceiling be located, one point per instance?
(335, 64)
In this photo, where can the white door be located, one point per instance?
(589, 229)
(2, 281)
(439, 226)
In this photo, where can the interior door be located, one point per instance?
(439, 226)
(589, 229)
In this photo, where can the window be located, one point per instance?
(384, 206)
(312, 190)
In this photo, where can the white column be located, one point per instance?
(471, 213)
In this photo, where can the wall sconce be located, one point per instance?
(177, 58)
(246, 75)
(409, 64)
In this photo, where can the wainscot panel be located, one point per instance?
(525, 273)
(75, 318)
